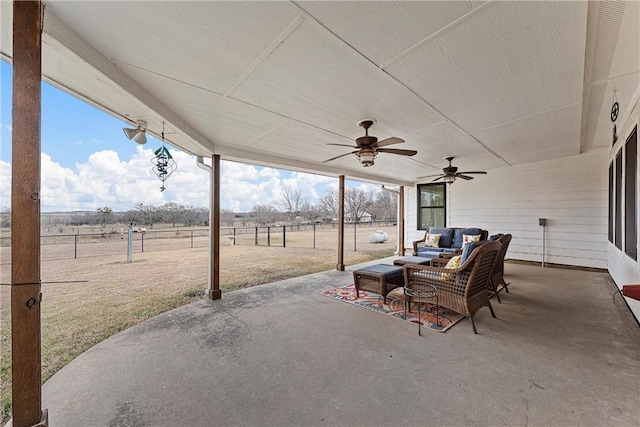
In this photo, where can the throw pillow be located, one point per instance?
(453, 263)
(432, 240)
(468, 238)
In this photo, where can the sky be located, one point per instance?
(87, 163)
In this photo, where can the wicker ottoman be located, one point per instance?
(379, 278)
(413, 260)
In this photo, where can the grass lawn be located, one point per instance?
(118, 295)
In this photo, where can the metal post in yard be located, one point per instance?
(191, 239)
(354, 236)
(129, 244)
(75, 246)
(314, 235)
(284, 236)
(256, 238)
(268, 236)
(142, 240)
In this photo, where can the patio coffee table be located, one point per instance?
(379, 278)
(413, 260)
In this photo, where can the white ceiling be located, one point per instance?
(493, 83)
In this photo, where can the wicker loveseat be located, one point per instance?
(450, 241)
(463, 289)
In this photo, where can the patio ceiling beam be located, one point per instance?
(67, 38)
(26, 367)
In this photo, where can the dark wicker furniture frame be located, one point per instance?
(377, 282)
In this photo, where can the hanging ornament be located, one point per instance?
(615, 109)
(164, 165)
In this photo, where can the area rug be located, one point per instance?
(395, 307)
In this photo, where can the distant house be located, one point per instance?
(365, 217)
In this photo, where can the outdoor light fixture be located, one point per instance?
(138, 134)
(449, 179)
(366, 156)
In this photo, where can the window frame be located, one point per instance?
(617, 231)
(420, 207)
(630, 189)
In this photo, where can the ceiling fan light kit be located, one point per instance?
(367, 147)
(450, 173)
(138, 134)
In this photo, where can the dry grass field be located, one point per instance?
(115, 295)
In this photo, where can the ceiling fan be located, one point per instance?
(450, 173)
(368, 147)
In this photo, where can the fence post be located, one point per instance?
(129, 244)
(284, 236)
(268, 236)
(75, 246)
(256, 239)
(191, 239)
(314, 235)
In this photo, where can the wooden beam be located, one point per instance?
(214, 291)
(340, 265)
(401, 221)
(26, 369)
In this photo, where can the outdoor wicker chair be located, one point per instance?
(497, 277)
(463, 289)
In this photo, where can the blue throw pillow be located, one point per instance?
(446, 236)
(459, 232)
(468, 249)
(495, 237)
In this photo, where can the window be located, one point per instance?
(431, 205)
(611, 194)
(618, 202)
(630, 173)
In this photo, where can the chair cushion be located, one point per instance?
(495, 237)
(460, 232)
(446, 236)
(434, 251)
(432, 240)
(469, 248)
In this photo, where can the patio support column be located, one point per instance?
(26, 349)
(214, 291)
(340, 265)
(401, 221)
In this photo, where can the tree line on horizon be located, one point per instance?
(291, 208)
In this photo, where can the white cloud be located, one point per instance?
(105, 179)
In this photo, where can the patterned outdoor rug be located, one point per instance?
(395, 307)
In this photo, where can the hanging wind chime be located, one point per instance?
(615, 109)
(163, 162)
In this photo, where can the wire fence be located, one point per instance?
(314, 236)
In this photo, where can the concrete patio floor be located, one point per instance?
(559, 353)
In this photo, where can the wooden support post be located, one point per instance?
(26, 369)
(214, 292)
(340, 265)
(401, 221)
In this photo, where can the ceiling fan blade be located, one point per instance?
(397, 151)
(341, 155)
(438, 178)
(343, 145)
(464, 177)
(388, 141)
(482, 172)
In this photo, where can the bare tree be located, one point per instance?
(226, 217)
(329, 203)
(148, 214)
(173, 212)
(385, 206)
(310, 212)
(356, 202)
(264, 214)
(291, 202)
(106, 212)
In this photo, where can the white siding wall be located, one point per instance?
(571, 193)
(623, 269)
